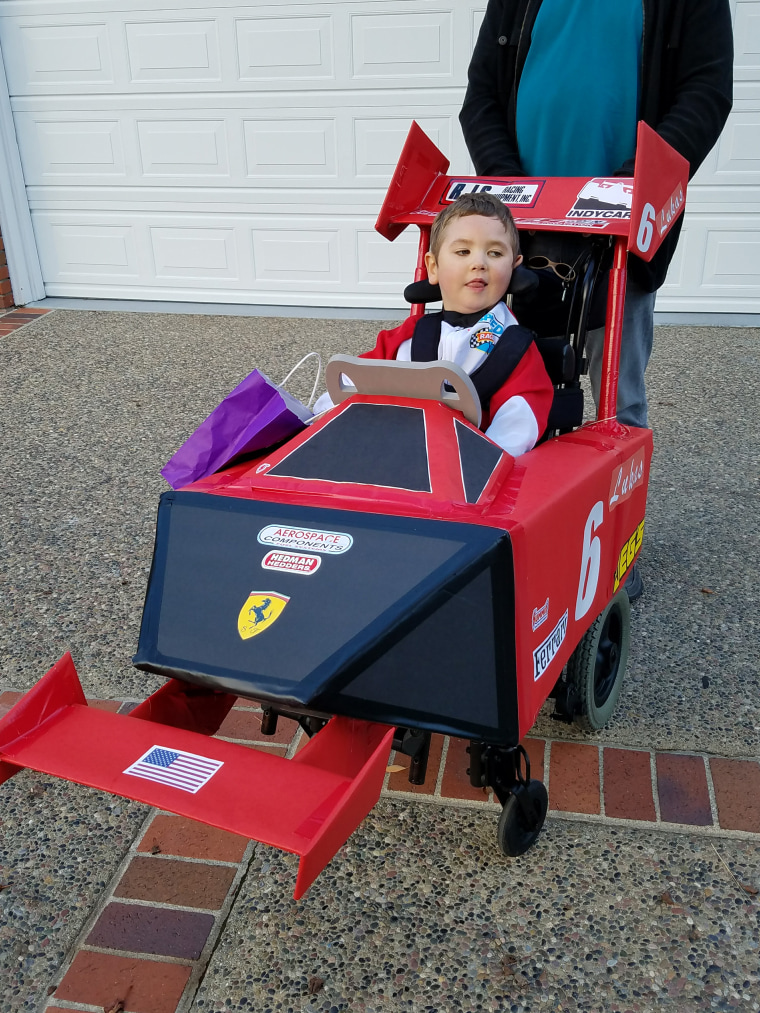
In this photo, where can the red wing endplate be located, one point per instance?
(308, 806)
(641, 208)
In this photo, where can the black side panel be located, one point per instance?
(454, 672)
(361, 445)
(216, 613)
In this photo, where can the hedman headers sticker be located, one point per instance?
(291, 562)
(305, 539)
(545, 652)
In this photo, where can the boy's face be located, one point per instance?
(474, 264)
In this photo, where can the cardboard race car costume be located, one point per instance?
(486, 584)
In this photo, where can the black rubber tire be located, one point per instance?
(514, 835)
(597, 665)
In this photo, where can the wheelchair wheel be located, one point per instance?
(518, 830)
(596, 667)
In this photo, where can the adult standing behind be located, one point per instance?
(556, 88)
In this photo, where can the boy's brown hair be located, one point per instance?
(484, 204)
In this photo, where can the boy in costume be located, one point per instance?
(474, 247)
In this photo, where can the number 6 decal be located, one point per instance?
(590, 561)
(646, 228)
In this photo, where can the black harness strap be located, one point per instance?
(498, 365)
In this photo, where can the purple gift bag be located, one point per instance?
(255, 415)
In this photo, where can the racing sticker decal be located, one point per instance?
(627, 555)
(261, 609)
(603, 198)
(292, 562)
(626, 478)
(558, 223)
(305, 539)
(670, 212)
(540, 615)
(490, 329)
(525, 193)
(545, 652)
(175, 768)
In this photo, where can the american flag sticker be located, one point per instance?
(186, 771)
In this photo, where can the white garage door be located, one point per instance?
(221, 153)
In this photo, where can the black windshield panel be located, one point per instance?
(367, 444)
(478, 457)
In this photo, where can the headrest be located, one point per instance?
(523, 281)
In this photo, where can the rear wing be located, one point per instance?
(641, 208)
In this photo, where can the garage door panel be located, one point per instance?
(384, 266)
(746, 40)
(188, 253)
(173, 51)
(72, 150)
(199, 149)
(717, 267)
(736, 153)
(285, 50)
(183, 148)
(409, 46)
(47, 57)
(240, 258)
(396, 43)
(378, 141)
(322, 148)
(281, 254)
(291, 148)
(77, 253)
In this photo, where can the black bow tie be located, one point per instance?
(464, 319)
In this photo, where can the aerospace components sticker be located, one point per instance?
(626, 478)
(292, 562)
(261, 609)
(545, 652)
(627, 555)
(603, 198)
(305, 539)
(523, 194)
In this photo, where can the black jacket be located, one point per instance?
(686, 90)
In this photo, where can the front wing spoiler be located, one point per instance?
(308, 805)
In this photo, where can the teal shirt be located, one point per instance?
(577, 103)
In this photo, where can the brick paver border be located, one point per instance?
(13, 319)
(149, 939)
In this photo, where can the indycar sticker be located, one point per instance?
(306, 539)
(603, 198)
(175, 768)
(525, 193)
(292, 562)
(626, 478)
(627, 555)
(545, 652)
(540, 615)
(261, 609)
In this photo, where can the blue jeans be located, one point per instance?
(636, 347)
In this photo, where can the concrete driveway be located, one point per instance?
(642, 892)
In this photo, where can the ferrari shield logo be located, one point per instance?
(261, 609)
